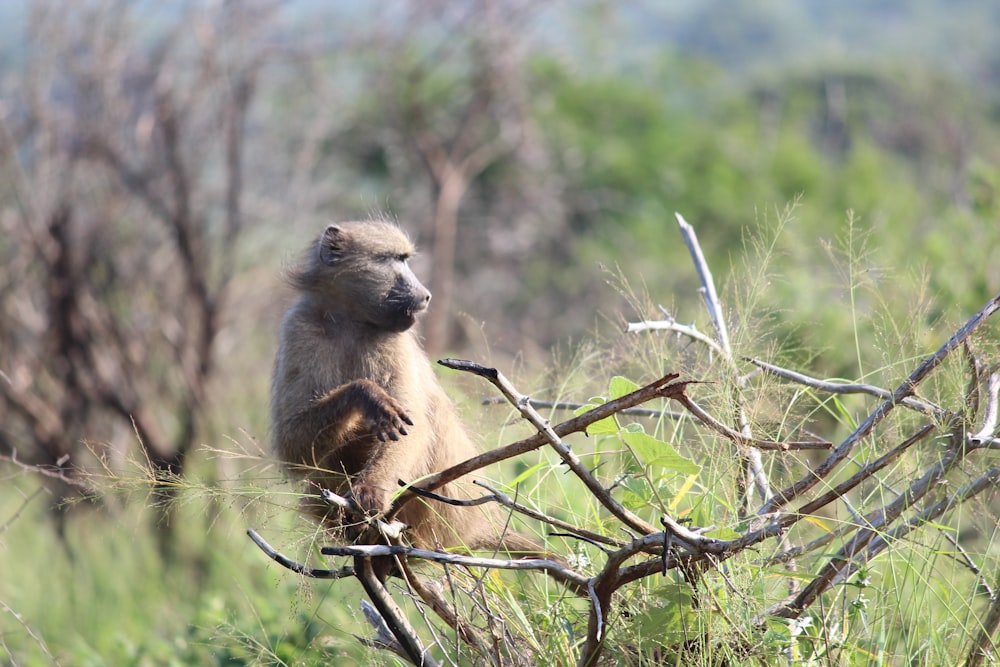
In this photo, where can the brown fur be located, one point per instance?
(355, 404)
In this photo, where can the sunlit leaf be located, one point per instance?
(681, 492)
(621, 387)
(606, 426)
(617, 388)
(819, 523)
(654, 452)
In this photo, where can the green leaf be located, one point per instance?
(606, 426)
(654, 452)
(621, 387)
(618, 387)
(669, 615)
(636, 493)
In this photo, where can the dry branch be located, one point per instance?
(520, 401)
(391, 614)
(384, 550)
(574, 425)
(506, 501)
(920, 406)
(295, 566)
(904, 390)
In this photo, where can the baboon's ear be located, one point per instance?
(331, 245)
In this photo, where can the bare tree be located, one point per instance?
(124, 152)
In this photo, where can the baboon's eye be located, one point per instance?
(402, 257)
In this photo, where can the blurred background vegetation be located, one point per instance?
(161, 164)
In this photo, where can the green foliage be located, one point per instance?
(640, 145)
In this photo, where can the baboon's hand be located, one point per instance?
(386, 417)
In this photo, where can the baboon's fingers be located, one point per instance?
(385, 430)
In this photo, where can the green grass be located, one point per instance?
(104, 596)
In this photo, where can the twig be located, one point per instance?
(707, 282)
(384, 639)
(876, 524)
(297, 567)
(905, 389)
(390, 529)
(520, 401)
(600, 590)
(31, 633)
(738, 437)
(568, 405)
(58, 471)
(987, 480)
(989, 426)
(25, 502)
(967, 561)
(392, 614)
(921, 406)
(670, 324)
(839, 491)
(467, 631)
(506, 501)
(378, 550)
(579, 423)
(752, 460)
(753, 464)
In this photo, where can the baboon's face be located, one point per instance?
(406, 298)
(371, 275)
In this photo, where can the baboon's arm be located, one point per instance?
(385, 417)
(311, 436)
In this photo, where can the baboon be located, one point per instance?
(355, 404)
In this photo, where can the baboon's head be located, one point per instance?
(360, 270)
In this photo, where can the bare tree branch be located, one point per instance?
(294, 566)
(391, 614)
(521, 402)
(904, 390)
(574, 425)
(850, 388)
(383, 550)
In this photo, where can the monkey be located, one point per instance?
(355, 404)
